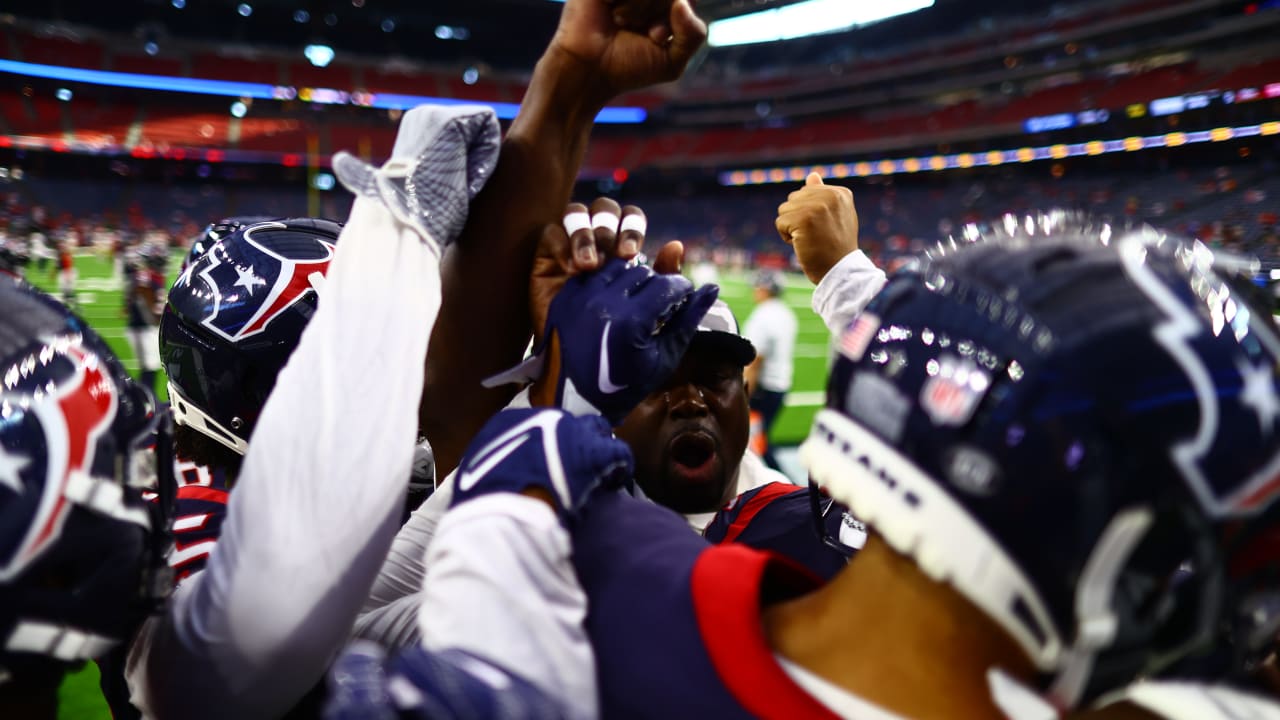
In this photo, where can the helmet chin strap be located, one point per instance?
(1096, 621)
(186, 413)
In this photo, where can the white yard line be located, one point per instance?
(817, 398)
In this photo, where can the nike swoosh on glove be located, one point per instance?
(547, 448)
(443, 156)
(622, 331)
(419, 684)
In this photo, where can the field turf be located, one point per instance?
(99, 297)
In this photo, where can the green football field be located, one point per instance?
(99, 296)
(811, 354)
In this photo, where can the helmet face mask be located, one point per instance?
(1027, 417)
(233, 318)
(82, 552)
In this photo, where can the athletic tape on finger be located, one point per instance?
(635, 222)
(576, 222)
(606, 220)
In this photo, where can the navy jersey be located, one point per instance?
(199, 509)
(777, 517)
(675, 622)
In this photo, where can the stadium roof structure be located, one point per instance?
(505, 34)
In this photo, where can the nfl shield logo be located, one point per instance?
(952, 395)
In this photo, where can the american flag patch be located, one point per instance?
(855, 340)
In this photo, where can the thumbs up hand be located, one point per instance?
(820, 222)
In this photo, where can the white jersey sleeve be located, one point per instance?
(846, 289)
(316, 505)
(500, 585)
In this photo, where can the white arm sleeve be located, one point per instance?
(845, 291)
(500, 585)
(315, 508)
(402, 571)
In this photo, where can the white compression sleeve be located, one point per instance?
(403, 569)
(387, 618)
(316, 504)
(845, 291)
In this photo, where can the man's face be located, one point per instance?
(688, 436)
(760, 294)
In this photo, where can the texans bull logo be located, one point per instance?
(1232, 463)
(252, 284)
(71, 419)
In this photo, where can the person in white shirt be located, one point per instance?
(771, 328)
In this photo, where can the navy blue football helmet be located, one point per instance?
(215, 231)
(82, 553)
(234, 316)
(1056, 419)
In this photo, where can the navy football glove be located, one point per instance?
(448, 685)
(621, 332)
(522, 448)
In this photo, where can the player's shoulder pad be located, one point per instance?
(1181, 700)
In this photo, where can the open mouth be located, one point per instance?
(693, 454)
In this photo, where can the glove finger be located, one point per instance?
(611, 462)
(634, 278)
(593, 426)
(662, 296)
(614, 270)
(684, 321)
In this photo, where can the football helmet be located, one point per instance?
(82, 553)
(215, 231)
(1055, 418)
(234, 316)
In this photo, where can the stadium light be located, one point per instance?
(63, 94)
(319, 55)
(239, 109)
(245, 9)
(812, 17)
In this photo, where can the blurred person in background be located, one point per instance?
(143, 303)
(772, 329)
(66, 274)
